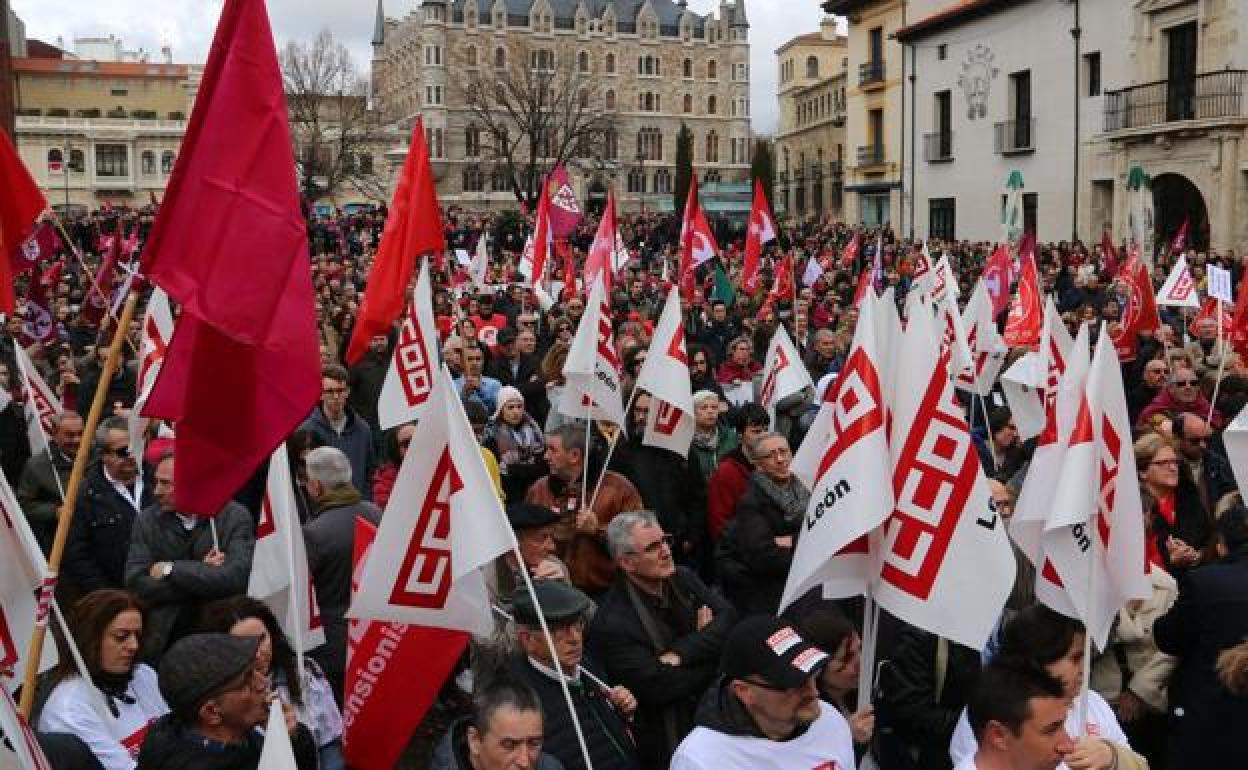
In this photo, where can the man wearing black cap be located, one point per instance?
(601, 711)
(767, 691)
(217, 699)
(534, 526)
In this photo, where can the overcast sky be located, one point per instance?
(188, 26)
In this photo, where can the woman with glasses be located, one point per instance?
(310, 694)
(108, 628)
(1181, 528)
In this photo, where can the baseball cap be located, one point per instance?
(770, 649)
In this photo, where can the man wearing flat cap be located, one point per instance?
(534, 526)
(602, 711)
(217, 699)
(765, 711)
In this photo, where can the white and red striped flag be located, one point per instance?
(987, 348)
(40, 403)
(155, 333)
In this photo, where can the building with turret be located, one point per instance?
(647, 65)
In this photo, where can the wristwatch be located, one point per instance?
(166, 570)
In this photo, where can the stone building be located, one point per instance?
(650, 65)
(96, 131)
(810, 142)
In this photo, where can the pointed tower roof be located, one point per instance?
(739, 19)
(379, 27)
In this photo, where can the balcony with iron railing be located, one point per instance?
(871, 73)
(870, 154)
(938, 147)
(1208, 96)
(1014, 137)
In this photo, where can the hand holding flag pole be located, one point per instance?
(66, 515)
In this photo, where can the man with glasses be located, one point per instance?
(338, 425)
(602, 711)
(218, 704)
(1182, 395)
(765, 710)
(659, 631)
(178, 561)
(1210, 470)
(112, 494)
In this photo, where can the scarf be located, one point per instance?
(521, 444)
(708, 441)
(338, 497)
(114, 687)
(790, 498)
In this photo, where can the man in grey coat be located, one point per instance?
(330, 538)
(42, 486)
(175, 564)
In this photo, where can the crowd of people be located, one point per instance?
(660, 591)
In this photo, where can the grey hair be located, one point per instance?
(56, 419)
(329, 466)
(620, 531)
(107, 425)
(757, 443)
(571, 436)
(704, 395)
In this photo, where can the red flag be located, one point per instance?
(782, 288)
(1110, 255)
(1139, 312)
(865, 284)
(599, 259)
(762, 230)
(40, 325)
(1022, 328)
(413, 228)
(569, 269)
(850, 254)
(1179, 242)
(21, 203)
(1209, 312)
(1239, 319)
(997, 278)
(95, 304)
(243, 367)
(41, 246)
(697, 242)
(394, 673)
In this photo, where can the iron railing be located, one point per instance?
(871, 72)
(1208, 95)
(938, 147)
(870, 154)
(1015, 136)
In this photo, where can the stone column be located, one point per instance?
(1222, 224)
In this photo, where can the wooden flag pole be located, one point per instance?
(73, 249)
(66, 515)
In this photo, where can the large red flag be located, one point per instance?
(413, 228)
(565, 212)
(697, 242)
(998, 274)
(1139, 311)
(230, 244)
(850, 254)
(1026, 319)
(762, 230)
(1239, 319)
(19, 205)
(601, 253)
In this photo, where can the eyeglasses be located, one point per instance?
(658, 545)
(1187, 383)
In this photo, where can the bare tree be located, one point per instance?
(331, 125)
(535, 113)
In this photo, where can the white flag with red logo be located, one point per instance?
(540, 247)
(26, 587)
(414, 363)
(783, 372)
(1023, 385)
(41, 403)
(155, 334)
(592, 369)
(954, 339)
(1235, 437)
(944, 283)
(665, 376)
(923, 279)
(1095, 535)
(1179, 289)
(1065, 379)
(697, 242)
(20, 750)
(987, 348)
(279, 569)
(945, 562)
(442, 524)
(851, 492)
(761, 231)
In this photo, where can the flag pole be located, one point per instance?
(983, 411)
(1217, 383)
(71, 494)
(94, 284)
(628, 409)
(870, 615)
(554, 655)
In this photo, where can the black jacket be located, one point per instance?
(757, 522)
(606, 734)
(1210, 615)
(99, 536)
(366, 377)
(169, 747)
(913, 724)
(452, 751)
(667, 696)
(671, 486)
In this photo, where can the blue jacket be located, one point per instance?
(355, 441)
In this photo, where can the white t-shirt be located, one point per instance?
(967, 764)
(826, 745)
(1102, 723)
(115, 742)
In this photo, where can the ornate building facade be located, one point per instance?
(652, 65)
(810, 142)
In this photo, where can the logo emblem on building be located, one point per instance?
(975, 81)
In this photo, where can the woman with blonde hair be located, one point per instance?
(1181, 530)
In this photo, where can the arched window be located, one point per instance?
(711, 105)
(166, 162)
(610, 64)
(56, 161)
(500, 58)
(688, 106)
(610, 100)
(687, 68)
(148, 162)
(637, 181)
(712, 70)
(582, 61)
(712, 147)
(650, 143)
(812, 67)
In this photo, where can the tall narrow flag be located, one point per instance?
(230, 245)
(987, 348)
(592, 369)
(414, 363)
(1022, 327)
(997, 277)
(697, 242)
(760, 231)
(540, 247)
(600, 261)
(154, 335)
(665, 376)
(413, 228)
(41, 403)
(565, 211)
(850, 254)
